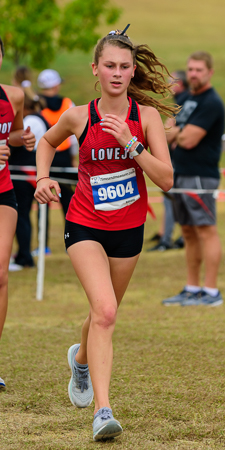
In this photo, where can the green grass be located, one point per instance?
(167, 385)
(168, 382)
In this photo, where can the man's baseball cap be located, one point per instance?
(48, 79)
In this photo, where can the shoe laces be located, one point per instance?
(81, 378)
(104, 414)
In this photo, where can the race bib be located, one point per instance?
(114, 190)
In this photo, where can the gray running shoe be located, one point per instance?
(105, 426)
(80, 387)
(193, 300)
(203, 298)
(179, 299)
(2, 384)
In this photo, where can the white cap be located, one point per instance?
(48, 79)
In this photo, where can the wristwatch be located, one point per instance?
(138, 150)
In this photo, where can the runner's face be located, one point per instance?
(198, 74)
(115, 69)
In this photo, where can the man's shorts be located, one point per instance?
(195, 208)
(117, 244)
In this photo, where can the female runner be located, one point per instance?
(105, 219)
(12, 132)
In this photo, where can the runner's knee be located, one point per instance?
(105, 317)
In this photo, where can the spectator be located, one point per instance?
(49, 82)
(24, 189)
(164, 235)
(197, 141)
(21, 74)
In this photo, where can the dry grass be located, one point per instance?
(168, 381)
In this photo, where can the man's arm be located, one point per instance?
(190, 136)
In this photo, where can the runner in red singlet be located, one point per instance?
(12, 132)
(105, 220)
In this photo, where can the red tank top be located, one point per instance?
(101, 154)
(6, 121)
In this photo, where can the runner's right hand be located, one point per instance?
(44, 194)
(4, 153)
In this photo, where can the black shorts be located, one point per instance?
(117, 244)
(8, 198)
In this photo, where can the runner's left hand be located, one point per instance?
(115, 126)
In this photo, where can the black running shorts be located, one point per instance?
(8, 198)
(117, 244)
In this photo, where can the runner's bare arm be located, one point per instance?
(72, 121)
(156, 164)
(16, 97)
(69, 123)
(18, 136)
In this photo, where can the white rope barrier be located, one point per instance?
(73, 181)
(215, 192)
(53, 169)
(33, 178)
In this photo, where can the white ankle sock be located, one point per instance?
(191, 288)
(211, 291)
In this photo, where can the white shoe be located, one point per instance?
(13, 267)
(80, 387)
(105, 426)
(2, 384)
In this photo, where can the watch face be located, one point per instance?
(139, 148)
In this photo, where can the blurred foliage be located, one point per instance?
(81, 33)
(37, 30)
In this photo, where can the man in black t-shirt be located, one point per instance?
(196, 139)
(164, 236)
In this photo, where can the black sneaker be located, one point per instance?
(155, 237)
(179, 243)
(160, 247)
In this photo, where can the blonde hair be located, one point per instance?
(150, 74)
(22, 73)
(32, 101)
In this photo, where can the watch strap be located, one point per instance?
(137, 150)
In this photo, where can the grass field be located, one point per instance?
(168, 384)
(167, 387)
